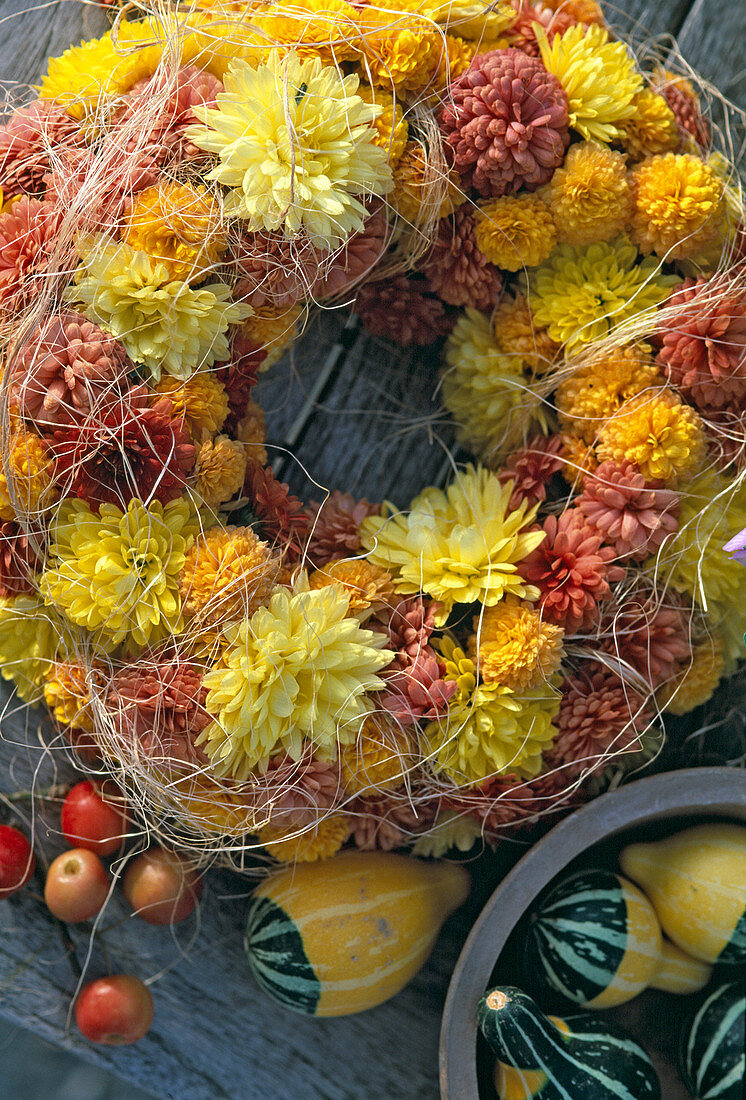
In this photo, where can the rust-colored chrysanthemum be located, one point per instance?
(703, 343)
(683, 100)
(369, 587)
(65, 369)
(531, 469)
(571, 570)
(518, 335)
(108, 175)
(239, 375)
(415, 686)
(402, 310)
(356, 260)
(599, 715)
(175, 99)
(334, 526)
(586, 12)
(389, 821)
(219, 469)
(292, 794)
(228, 573)
(128, 450)
(633, 516)
(456, 269)
(281, 513)
(652, 637)
(507, 124)
(521, 33)
(18, 560)
(28, 138)
(29, 235)
(273, 270)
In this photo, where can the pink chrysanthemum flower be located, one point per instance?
(292, 794)
(165, 135)
(456, 269)
(415, 687)
(283, 519)
(651, 637)
(29, 235)
(108, 177)
(386, 822)
(633, 516)
(334, 526)
(521, 33)
(356, 259)
(531, 469)
(30, 139)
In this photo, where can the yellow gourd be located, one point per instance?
(343, 935)
(696, 881)
(678, 972)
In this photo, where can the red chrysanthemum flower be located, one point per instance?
(334, 526)
(239, 376)
(65, 369)
(160, 705)
(703, 345)
(682, 99)
(521, 33)
(282, 515)
(18, 560)
(385, 822)
(456, 270)
(571, 570)
(415, 687)
(29, 236)
(631, 515)
(402, 310)
(357, 259)
(273, 270)
(292, 793)
(531, 469)
(30, 138)
(128, 450)
(507, 124)
(653, 638)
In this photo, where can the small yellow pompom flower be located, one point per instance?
(299, 668)
(391, 128)
(251, 431)
(581, 294)
(219, 470)
(273, 329)
(663, 437)
(120, 570)
(459, 55)
(520, 338)
(296, 148)
(421, 191)
(67, 696)
(215, 807)
(458, 546)
(179, 226)
(369, 587)
(579, 459)
(485, 390)
(589, 195)
(321, 842)
(488, 729)
(698, 681)
(32, 638)
(400, 49)
(228, 573)
(26, 486)
(512, 645)
(378, 759)
(323, 28)
(599, 77)
(200, 401)
(652, 129)
(515, 231)
(678, 207)
(165, 325)
(597, 389)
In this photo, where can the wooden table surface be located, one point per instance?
(344, 412)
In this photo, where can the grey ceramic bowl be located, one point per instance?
(696, 792)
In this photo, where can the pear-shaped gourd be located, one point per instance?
(696, 881)
(340, 936)
(596, 938)
(582, 1057)
(678, 972)
(713, 1046)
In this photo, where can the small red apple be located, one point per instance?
(77, 886)
(16, 860)
(160, 887)
(94, 818)
(114, 1011)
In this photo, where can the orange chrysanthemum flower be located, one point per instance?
(663, 437)
(228, 573)
(369, 587)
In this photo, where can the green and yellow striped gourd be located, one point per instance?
(337, 937)
(581, 1057)
(713, 1058)
(696, 881)
(678, 972)
(596, 938)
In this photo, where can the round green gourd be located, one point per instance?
(712, 1058)
(581, 1057)
(596, 939)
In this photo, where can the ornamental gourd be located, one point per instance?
(678, 972)
(339, 937)
(582, 1057)
(712, 1058)
(696, 881)
(597, 939)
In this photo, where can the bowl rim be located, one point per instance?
(709, 790)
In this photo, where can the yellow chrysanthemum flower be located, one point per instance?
(458, 56)
(579, 459)
(697, 682)
(513, 646)
(26, 486)
(321, 842)
(165, 325)
(488, 729)
(32, 638)
(485, 390)
(252, 432)
(452, 830)
(581, 294)
(298, 668)
(519, 337)
(421, 191)
(216, 807)
(515, 231)
(314, 28)
(662, 436)
(391, 128)
(219, 470)
(296, 148)
(273, 329)
(652, 129)
(599, 77)
(589, 195)
(120, 570)
(468, 18)
(179, 226)
(200, 401)
(228, 573)
(369, 587)
(400, 49)
(378, 759)
(597, 389)
(458, 546)
(67, 695)
(679, 205)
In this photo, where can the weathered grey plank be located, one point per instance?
(30, 32)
